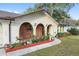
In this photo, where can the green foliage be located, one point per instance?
(35, 40)
(66, 34)
(73, 31)
(60, 34)
(16, 45)
(58, 15)
(43, 38)
(57, 10)
(29, 10)
(46, 37)
(63, 34)
(19, 38)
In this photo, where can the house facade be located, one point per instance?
(37, 23)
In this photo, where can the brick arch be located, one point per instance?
(40, 30)
(26, 30)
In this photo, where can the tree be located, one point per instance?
(29, 10)
(54, 6)
(56, 10)
(59, 15)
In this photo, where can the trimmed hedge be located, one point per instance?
(63, 34)
(73, 31)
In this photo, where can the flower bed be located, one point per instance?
(27, 46)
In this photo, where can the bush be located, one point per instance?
(63, 34)
(43, 38)
(46, 37)
(66, 34)
(16, 45)
(60, 34)
(73, 31)
(35, 40)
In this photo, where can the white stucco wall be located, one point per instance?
(1, 32)
(5, 32)
(34, 20)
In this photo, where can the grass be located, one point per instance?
(68, 47)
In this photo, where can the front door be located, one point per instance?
(26, 31)
(40, 30)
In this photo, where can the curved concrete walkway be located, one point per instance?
(34, 48)
(2, 52)
(30, 49)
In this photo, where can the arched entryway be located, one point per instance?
(1, 38)
(49, 29)
(26, 31)
(40, 30)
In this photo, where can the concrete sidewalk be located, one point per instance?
(34, 48)
(30, 49)
(2, 52)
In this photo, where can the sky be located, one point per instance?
(20, 7)
(74, 12)
(15, 7)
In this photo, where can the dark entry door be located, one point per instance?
(26, 31)
(40, 30)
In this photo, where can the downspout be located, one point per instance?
(11, 19)
(10, 32)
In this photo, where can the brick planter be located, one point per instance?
(27, 46)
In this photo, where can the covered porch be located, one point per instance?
(28, 31)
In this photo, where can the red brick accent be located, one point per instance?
(27, 46)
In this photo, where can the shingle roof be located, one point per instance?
(39, 10)
(4, 14)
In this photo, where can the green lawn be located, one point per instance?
(68, 47)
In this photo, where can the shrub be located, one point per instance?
(63, 34)
(46, 37)
(19, 38)
(35, 40)
(43, 38)
(73, 31)
(66, 34)
(60, 34)
(16, 45)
